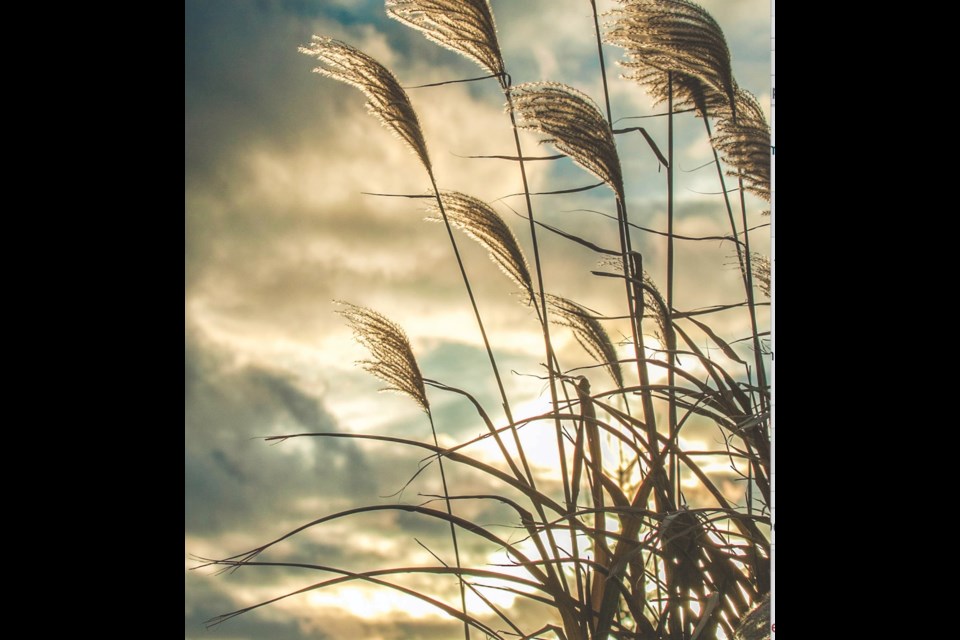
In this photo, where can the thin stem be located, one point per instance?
(453, 530)
(758, 354)
(542, 312)
(603, 66)
(764, 435)
(626, 248)
(633, 273)
(473, 300)
(627, 255)
(548, 348)
(496, 372)
(746, 270)
(606, 104)
(671, 348)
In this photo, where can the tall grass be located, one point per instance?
(621, 552)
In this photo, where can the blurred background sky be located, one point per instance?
(276, 160)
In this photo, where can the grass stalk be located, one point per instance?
(453, 530)
(671, 342)
(552, 362)
(631, 260)
(746, 271)
(473, 300)
(758, 353)
(542, 311)
(633, 271)
(764, 438)
(561, 578)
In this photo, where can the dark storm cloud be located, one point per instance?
(234, 479)
(230, 47)
(248, 91)
(244, 78)
(245, 82)
(237, 483)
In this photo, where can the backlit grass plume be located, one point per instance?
(589, 333)
(663, 36)
(761, 272)
(657, 309)
(465, 26)
(393, 360)
(475, 218)
(743, 141)
(386, 99)
(575, 126)
(389, 102)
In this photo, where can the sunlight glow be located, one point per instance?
(371, 603)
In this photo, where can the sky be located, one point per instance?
(277, 227)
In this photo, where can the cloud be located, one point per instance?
(277, 226)
(208, 599)
(241, 492)
(234, 479)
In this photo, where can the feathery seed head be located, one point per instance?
(761, 272)
(386, 99)
(743, 141)
(574, 125)
(589, 333)
(393, 360)
(479, 221)
(677, 36)
(655, 304)
(464, 26)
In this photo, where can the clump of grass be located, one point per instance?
(622, 553)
